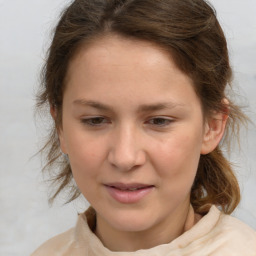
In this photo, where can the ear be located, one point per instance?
(59, 128)
(53, 112)
(213, 132)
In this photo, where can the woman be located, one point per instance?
(137, 92)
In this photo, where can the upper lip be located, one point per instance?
(120, 185)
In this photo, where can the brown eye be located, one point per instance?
(94, 121)
(160, 121)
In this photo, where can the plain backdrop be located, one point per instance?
(25, 217)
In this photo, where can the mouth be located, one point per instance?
(128, 187)
(128, 193)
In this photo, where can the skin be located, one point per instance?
(131, 116)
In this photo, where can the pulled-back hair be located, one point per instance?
(189, 31)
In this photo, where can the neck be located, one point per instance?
(161, 233)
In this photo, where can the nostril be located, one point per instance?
(121, 160)
(125, 154)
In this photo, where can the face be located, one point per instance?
(133, 130)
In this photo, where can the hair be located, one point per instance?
(191, 33)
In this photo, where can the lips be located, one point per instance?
(128, 193)
(131, 186)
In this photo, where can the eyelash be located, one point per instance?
(167, 121)
(92, 121)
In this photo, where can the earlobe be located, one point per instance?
(213, 132)
(59, 130)
(53, 112)
(62, 141)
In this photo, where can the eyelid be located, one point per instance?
(88, 119)
(169, 120)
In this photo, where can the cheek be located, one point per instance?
(177, 160)
(176, 170)
(179, 150)
(85, 164)
(86, 157)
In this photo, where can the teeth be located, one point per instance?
(129, 189)
(133, 189)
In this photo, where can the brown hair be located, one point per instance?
(190, 32)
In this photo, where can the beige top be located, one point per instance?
(215, 234)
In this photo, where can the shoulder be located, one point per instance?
(56, 245)
(237, 231)
(230, 236)
(74, 242)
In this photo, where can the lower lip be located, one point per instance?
(129, 197)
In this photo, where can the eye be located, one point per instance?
(160, 121)
(95, 121)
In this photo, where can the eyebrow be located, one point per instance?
(159, 106)
(93, 104)
(141, 108)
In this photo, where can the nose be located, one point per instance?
(126, 152)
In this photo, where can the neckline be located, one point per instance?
(87, 223)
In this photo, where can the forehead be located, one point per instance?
(119, 67)
(119, 54)
(120, 51)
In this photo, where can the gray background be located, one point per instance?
(25, 218)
